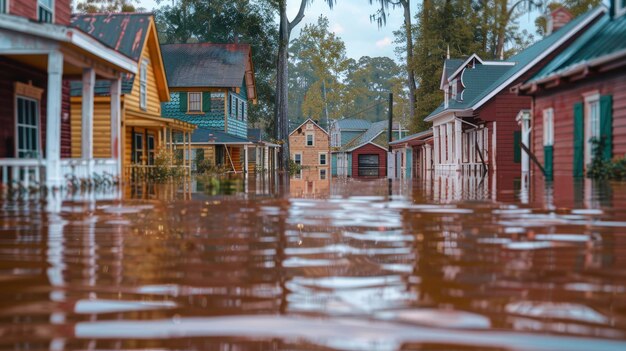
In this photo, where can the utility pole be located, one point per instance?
(390, 158)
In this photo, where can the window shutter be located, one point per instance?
(606, 126)
(579, 140)
(183, 102)
(548, 161)
(517, 148)
(206, 102)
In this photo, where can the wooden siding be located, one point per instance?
(368, 149)
(66, 124)
(562, 100)
(153, 103)
(101, 127)
(10, 73)
(310, 154)
(28, 9)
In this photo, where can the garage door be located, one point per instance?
(368, 165)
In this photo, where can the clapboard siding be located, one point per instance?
(28, 9)
(153, 104)
(562, 100)
(101, 128)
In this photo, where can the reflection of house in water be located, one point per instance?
(310, 184)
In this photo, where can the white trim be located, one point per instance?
(299, 153)
(548, 127)
(541, 56)
(37, 126)
(319, 158)
(7, 6)
(189, 102)
(51, 9)
(592, 97)
(68, 35)
(306, 139)
(303, 123)
(325, 173)
(143, 84)
(619, 10)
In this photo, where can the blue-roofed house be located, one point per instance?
(475, 126)
(580, 95)
(211, 86)
(412, 155)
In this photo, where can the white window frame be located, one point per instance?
(306, 139)
(319, 158)
(323, 170)
(548, 127)
(45, 6)
(446, 96)
(143, 84)
(294, 158)
(619, 8)
(6, 7)
(36, 127)
(194, 93)
(592, 104)
(454, 89)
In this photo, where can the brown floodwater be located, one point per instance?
(443, 264)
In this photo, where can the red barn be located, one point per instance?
(581, 95)
(364, 156)
(475, 127)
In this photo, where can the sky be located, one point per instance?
(350, 20)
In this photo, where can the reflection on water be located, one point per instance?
(246, 265)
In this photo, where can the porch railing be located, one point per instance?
(72, 168)
(22, 172)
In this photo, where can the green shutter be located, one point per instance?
(579, 140)
(182, 105)
(517, 148)
(548, 161)
(606, 126)
(206, 102)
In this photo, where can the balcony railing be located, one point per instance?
(22, 172)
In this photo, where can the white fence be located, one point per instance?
(32, 172)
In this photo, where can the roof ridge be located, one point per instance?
(147, 13)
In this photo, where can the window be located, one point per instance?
(27, 128)
(297, 158)
(4, 8)
(620, 7)
(150, 149)
(45, 10)
(592, 124)
(138, 149)
(322, 174)
(310, 141)
(195, 102)
(454, 89)
(548, 127)
(322, 158)
(143, 78)
(242, 109)
(445, 96)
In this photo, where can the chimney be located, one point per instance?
(557, 19)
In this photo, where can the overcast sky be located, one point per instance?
(350, 19)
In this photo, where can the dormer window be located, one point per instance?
(45, 10)
(620, 7)
(445, 96)
(454, 90)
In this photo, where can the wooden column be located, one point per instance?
(116, 123)
(458, 130)
(89, 82)
(449, 155)
(436, 144)
(245, 159)
(53, 119)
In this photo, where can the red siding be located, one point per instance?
(369, 149)
(14, 72)
(562, 101)
(66, 132)
(28, 9)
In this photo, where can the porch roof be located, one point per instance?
(71, 38)
(151, 121)
(413, 137)
(212, 136)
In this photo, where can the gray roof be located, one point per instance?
(205, 64)
(413, 136)
(372, 132)
(484, 79)
(350, 123)
(212, 136)
(255, 134)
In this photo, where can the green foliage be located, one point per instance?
(245, 21)
(575, 7)
(93, 6)
(166, 166)
(599, 168)
(206, 167)
(294, 168)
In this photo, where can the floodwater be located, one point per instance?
(442, 264)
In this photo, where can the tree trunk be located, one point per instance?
(280, 108)
(406, 4)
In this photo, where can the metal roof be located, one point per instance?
(606, 37)
(351, 123)
(205, 64)
(212, 136)
(413, 136)
(479, 84)
(370, 134)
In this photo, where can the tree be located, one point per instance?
(575, 7)
(407, 34)
(232, 21)
(282, 74)
(93, 6)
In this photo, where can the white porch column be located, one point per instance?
(53, 119)
(458, 130)
(245, 159)
(89, 82)
(116, 123)
(275, 158)
(436, 144)
(427, 150)
(449, 156)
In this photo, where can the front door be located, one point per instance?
(27, 128)
(150, 149)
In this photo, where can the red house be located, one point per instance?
(581, 95)
(364, 156)
(475, 127)
(39, 54)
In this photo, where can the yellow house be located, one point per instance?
(142, 131)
